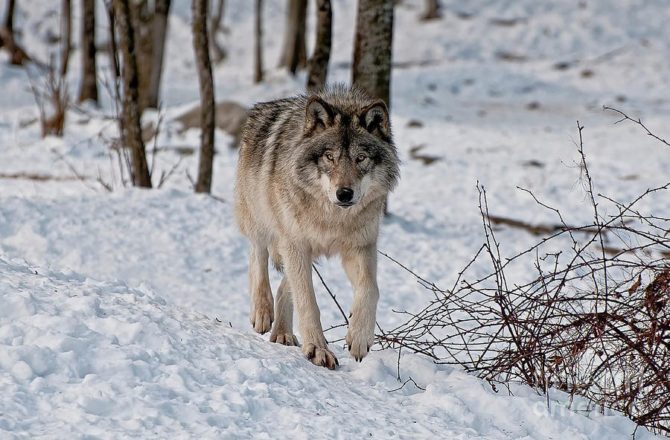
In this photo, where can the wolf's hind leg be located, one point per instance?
(282, 331)
(361, 268)
(262, 312)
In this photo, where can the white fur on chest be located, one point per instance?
(330, 230)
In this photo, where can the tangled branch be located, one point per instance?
(585, 320)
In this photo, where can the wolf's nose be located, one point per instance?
(344, 195)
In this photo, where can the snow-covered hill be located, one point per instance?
(125, 314)
(81, 358)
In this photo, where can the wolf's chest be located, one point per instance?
(331, 236)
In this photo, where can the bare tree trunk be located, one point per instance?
(9, 16)
(113, 49)
(318, 64)
(131, 128)
(258, 42)
(432, 11)
(204, 66)
(88, 89)
(371, 69)
(18, 55)
(149, 20)
(294, 54)
(66, 36)
(159, 27)
(373, 48)
(218, 53)
(141, 21)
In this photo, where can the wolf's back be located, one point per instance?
(267, 120)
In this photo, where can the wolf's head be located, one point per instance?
(348, 147)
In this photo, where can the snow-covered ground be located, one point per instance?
(125, 314)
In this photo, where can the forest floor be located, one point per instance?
(124, 313)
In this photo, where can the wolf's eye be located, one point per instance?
(329, 156)
(361, 157)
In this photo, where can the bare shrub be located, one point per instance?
(120, 159)
(591, 319)
(52, 98)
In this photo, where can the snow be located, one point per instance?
(101, 359)
(125, 313)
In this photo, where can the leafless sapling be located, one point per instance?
(318, 63)
(130, 125)
(294, 52)
(258, 41)
(207, 107)
(88, 88)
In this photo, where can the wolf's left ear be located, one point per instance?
(318, 115)
(375, 119)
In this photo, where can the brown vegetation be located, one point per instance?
(585, 321)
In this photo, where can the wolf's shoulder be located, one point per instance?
(272, 109)
(272, 124)
(264, 117)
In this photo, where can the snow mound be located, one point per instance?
(99, 359)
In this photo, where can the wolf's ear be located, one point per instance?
(375, 119)
(318, 115)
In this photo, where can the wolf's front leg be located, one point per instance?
(282, 331)
(361, 267)
(262, 312)
(298, 269)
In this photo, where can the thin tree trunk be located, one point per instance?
(294, 54)
(9, 16)
(432, 11)
(132, 130)
(66, 36)
(373, 48)
(371, 67)
(258, 42)
(113, 50)
(218, 53)
(318, 64)
(149, 19)
(204, 67)
(18, 55)
(141, 20)
(159, 27)
(88, 89)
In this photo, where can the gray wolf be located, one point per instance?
(312, 178)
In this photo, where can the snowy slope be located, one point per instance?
(125, 314)
(99, 359)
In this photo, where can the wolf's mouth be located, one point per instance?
(344, 205)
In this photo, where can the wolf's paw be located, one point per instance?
(284, 338)
(320, 356)
(359, 342)
(262, 315)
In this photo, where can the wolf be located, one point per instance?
(312, 177)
